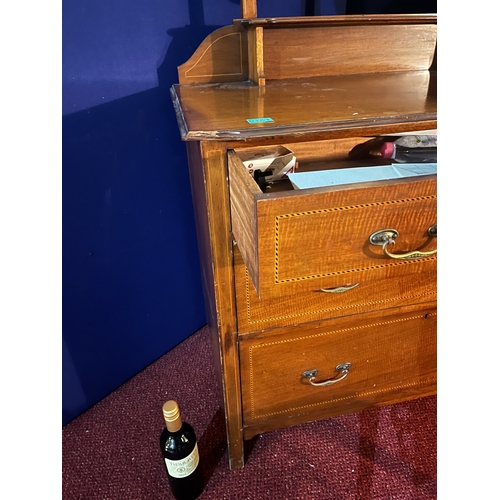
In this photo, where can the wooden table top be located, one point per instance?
(292, 107)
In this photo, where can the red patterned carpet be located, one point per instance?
(111, 452)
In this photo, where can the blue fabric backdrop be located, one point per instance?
(131, 279)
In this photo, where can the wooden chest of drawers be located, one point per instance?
(311, 315)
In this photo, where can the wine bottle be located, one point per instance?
(180, 453)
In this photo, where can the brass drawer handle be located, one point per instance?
(342, 369)
(385, 237)
(340, 289)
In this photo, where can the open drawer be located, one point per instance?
(288, 236)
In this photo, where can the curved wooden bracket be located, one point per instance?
(221, 57)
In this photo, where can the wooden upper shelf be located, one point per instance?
(348, 20)
(264, 49)
(367, 72)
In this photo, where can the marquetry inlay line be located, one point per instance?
(277, 280)
(321, 311)
(186, 74)
(323, 334)
(355, 396)
(252, 400)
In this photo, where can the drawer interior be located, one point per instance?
(332, 154)
(287, 235)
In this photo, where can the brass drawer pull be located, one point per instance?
(340, 289)
(343, 369)
(385, 237)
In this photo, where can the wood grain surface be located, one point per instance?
(211, 201)
(347, 50)
(303, 301)
(388, 352)
(299, 106)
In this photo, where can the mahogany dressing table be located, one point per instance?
(310, 316)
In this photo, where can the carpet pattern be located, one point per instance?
(111, 452)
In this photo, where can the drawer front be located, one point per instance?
(389, 354)
(296, 236)
(333, 296)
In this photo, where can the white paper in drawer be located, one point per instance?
(337, 177)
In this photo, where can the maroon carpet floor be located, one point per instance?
(111, 452)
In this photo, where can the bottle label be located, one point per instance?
(184, 467)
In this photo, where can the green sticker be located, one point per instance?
(260, 120)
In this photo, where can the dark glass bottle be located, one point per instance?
(180, 454)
